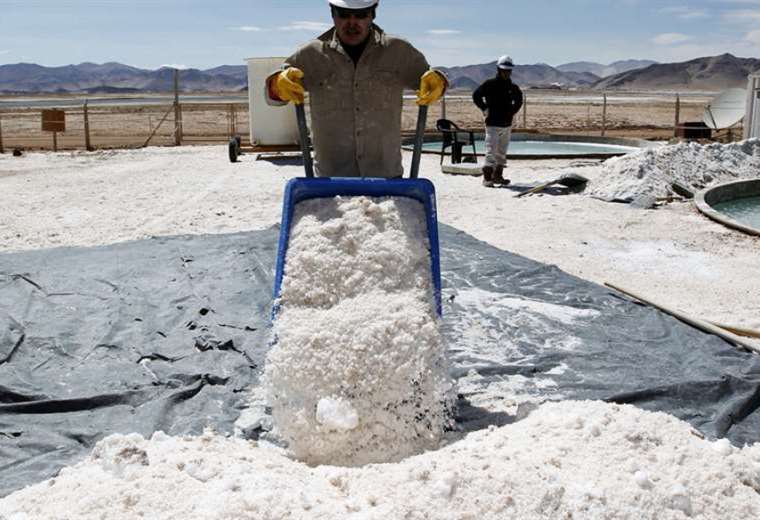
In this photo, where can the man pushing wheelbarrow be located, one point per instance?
(355, 74)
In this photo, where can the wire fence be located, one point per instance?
(126, 126)
(131, 126)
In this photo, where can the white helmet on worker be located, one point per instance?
(353, 4)
(505, 63)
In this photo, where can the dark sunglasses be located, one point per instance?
(345, 14)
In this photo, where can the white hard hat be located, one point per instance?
(505, 63)
(353, 4)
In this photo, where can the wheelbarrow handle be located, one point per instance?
(304, 135)
(418, 135)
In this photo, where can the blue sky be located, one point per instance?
(204, 34)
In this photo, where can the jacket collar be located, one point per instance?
(330, 38)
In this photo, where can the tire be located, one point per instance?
(233, 150)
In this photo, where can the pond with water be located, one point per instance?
(548, 148)
(745, 210)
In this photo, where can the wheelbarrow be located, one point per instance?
(310, 187)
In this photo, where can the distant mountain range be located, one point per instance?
(709, 73)
(92, 78)
(712, 73)
(602, 71)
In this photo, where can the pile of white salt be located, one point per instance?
(650, 173)
(585, 459)
(358, 371)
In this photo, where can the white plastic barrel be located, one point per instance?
(752, 117)
(270, 125)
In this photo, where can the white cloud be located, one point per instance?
(246, 28)
(670, 38)
(751, 16)
(686, 13)
(174, 66)
(305, 26)
(443, 31)
(753, 37)
(2, 51)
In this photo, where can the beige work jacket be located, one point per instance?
(356, 110)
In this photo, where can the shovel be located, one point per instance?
(570, 180)
(311, 187)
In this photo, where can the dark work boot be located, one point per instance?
(487, 176)
(497, 178)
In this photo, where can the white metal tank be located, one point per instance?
(752, 116)
(270, 125)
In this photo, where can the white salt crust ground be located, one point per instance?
(673, 255)
(581, 459)
(358, 371)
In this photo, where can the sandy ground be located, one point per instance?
(629, 114)
(673, 254)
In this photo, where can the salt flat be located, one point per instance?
(582, 459)
(673, 254)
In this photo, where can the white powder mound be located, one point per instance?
(584, 459)
(358, 372)
(650, 173)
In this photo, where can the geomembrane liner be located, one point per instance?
(171, 333)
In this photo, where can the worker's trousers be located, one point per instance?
(497, 143)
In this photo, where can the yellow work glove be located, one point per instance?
(287, 85)
(432, 86)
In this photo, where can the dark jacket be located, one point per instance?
(501, 97)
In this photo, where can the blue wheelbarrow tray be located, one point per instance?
(300, 189)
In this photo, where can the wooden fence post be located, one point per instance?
(177, 111)
(678, 115)
(87, 144)
(1, 134)
(604, 115)
(443, 106)
(55, 141)
(233, 120)
(525, 112)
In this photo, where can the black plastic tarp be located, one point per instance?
(171, 334)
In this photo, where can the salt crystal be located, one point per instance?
(723, 446)
(337, 414)
(642, 480)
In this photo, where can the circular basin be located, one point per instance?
(735, 204)
(545, 146)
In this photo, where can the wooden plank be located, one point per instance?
(1, 134)
(272, 148)
(694, 322)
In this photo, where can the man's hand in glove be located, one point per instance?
(287, 86)
(432, 86)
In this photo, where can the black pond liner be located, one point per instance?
(171, 334)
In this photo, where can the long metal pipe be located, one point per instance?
(303, 133)
(418, 136)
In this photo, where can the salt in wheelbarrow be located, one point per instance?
(311, 187)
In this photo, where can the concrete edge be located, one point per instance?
(724, 192)
(524, 136)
